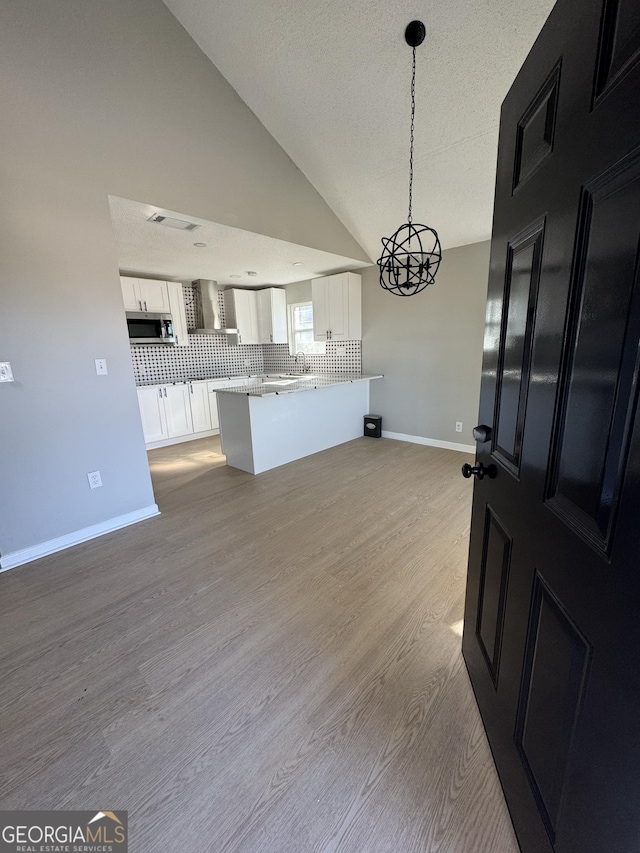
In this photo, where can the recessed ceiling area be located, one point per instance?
(229, 255)
(331, 82)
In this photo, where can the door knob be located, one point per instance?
(482, 433)
(480, 471)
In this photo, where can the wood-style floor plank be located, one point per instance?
(273, 664)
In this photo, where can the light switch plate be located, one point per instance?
(101, 366)
(6, 374)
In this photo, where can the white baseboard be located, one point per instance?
(165, 442)
(431, 442)
(26, 555)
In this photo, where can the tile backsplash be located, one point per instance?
(341, 357)
(209, 356)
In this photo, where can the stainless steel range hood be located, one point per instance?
(207, 292)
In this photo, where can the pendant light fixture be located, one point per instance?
(410, 257)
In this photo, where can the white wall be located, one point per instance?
(99, 97)
(429, 348)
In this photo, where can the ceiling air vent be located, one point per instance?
(171, 222)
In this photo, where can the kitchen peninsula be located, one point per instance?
(273, 420)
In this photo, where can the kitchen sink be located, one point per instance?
(281, 382)
(299, 377)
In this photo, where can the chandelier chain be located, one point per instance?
(413, 113)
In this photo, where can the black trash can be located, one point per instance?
(373, 425)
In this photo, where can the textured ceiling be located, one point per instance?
(330, 81)
(145, 248)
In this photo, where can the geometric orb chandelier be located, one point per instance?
(410, 258)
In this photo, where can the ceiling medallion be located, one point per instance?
(410, 257)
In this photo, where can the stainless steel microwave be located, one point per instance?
(147, 328)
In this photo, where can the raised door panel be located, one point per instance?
(536, 130)
(552, 693)
(130, 293)
(199, 399)
(152, 413)
(619, 48)
(524, 255)
(178, 410)
(320, 300)
(494, 578)
(154, 296)
(599, 378)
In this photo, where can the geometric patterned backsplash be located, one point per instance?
(212, 356)
(277, 359)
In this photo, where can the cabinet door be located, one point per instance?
(265, 320)
(246, 316)
(213, 405)
(130, 293)
(176, 308)
(177, 410)
(320, 300)
(154, 295)
(152, 414)
(272, 315)
(278, 316)
(199, 399)
(339, 307)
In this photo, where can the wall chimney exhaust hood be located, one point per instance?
(208, 310)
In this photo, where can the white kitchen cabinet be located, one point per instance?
(145, 294)
(152, 413)
(175, 413)
(200, 413)
(337, 307)
(130, 293)
(177, 311)
(241, 313)
(272, 315)
(213, 405)
(177, 409)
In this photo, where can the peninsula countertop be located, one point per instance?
(287, 383)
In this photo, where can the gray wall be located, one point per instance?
(107, 97)
(429, 348)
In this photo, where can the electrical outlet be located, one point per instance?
(101, 366)
(95, 480)
(341, 351)
(458, 426)
(6, 374)
(247, 362)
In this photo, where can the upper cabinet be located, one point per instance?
(157, 297)
(145, 294)
(176, 309)
(272, 316)
(241, 313)
(337, 307)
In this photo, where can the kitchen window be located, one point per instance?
(301, 330)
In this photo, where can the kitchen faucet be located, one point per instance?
(305, 366)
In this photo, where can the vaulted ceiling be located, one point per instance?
(330, 81)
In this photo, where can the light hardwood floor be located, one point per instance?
(271, 666)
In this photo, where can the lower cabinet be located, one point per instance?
(177, 408)
(199, 399)
(213, 404)
(170, 413)
(152, 413)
